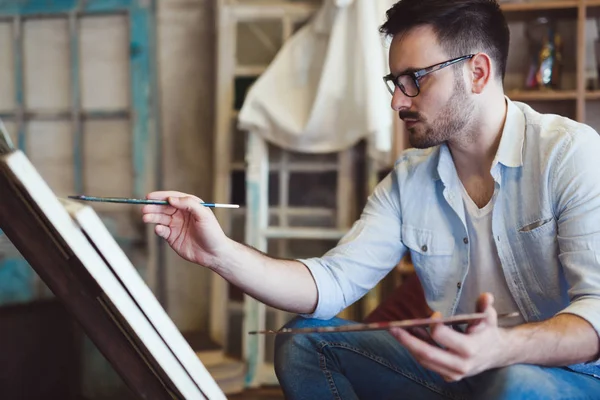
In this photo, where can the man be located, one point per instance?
(499, 207)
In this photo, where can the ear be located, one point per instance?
(480, 72)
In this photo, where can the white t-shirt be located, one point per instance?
(485, 271)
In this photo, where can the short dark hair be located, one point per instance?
(462, 26)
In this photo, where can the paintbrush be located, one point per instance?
(124, 200)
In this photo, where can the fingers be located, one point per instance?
(484, 301)
(447, 337)
(485, 304)
(189, 204)
(452, 340)
(163, 195)
(153, 209)
(436, 314)
(431, 357)
(422, 334)
(173, 197)
(162, 219)
(162, 231)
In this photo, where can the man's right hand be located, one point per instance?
(190, 228)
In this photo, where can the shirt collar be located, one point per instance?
(510, 150)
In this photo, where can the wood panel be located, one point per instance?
(104, 62)
(46, 63)
(258, 42)
(107, 171)
(50, 149)
(107, 154)
(7, 70)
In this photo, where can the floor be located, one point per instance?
(266, 393)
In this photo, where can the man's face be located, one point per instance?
(443, 108)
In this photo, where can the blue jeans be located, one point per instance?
(373, 365)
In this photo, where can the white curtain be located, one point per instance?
(324, 91)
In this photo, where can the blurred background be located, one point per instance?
(276, 105)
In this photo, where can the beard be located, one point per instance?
(450, 123)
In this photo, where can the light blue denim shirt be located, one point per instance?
(546, 223)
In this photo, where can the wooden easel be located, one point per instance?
(74, 254)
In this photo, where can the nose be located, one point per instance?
(400, 100)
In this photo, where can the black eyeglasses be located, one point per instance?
(408, 83)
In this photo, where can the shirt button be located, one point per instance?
(466, 240)
(458, 285)
(424, 248)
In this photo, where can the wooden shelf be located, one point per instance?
(593, 95)
(541, 5)
(550, 95)
(542, 95)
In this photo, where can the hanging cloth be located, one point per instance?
(324, 91)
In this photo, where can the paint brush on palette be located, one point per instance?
(124, 200)
(381, 326)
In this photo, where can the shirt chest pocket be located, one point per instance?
(431, 251)
(426, 245)
(539, 242)
(426, 242)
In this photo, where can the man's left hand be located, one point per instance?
(460, 355)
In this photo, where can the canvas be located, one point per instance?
(73, 252)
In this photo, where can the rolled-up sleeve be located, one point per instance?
(577, 186)
(370, 249)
